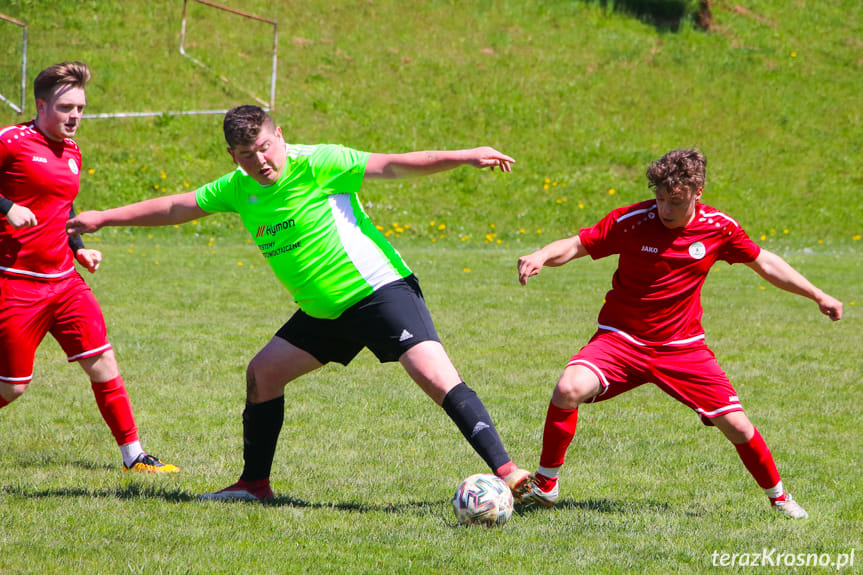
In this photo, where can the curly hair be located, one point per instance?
(60, 77)
(243, 124)
(678, 168)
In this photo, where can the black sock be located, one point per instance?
(262, 423)
(465, 408)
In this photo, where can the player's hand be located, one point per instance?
(20, 217)
(90, 259)
(529, 266)
(830, 306)
(84, 223)
(486, 157)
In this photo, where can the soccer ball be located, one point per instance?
(482, 499)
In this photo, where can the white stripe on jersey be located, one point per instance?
(367, 257)
(295, 151)
(639, 342)
(7, 129)
(719, 214)
(37, 274)
(635, 213)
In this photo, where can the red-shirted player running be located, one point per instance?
(40, 290)
(650, 326)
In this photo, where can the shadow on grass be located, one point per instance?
(133, 491)
(288, 501)
(142, 491)
(138, 491)
(665, 15)
(610, 506)
(42, 460)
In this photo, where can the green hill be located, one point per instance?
(582, 95)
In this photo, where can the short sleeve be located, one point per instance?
(219, 195)
(739, 248)
(598, 239)
(337, 169)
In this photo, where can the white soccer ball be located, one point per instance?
(482, 499)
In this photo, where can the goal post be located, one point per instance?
(20, 106)
(268, 105)
(272, 103)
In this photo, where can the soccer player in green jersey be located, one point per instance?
(300, 205)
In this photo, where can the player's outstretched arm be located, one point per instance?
(164, 211)
(780, 273)
(391, 166)
(554, 254)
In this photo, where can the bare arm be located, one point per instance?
(554, 254)
(163, 211)
(780, 273)
(89, 258)
(391, 166)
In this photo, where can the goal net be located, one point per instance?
(231, 58)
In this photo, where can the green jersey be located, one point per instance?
(311, 227)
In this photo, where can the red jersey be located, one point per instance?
(44, 176)
(656, 291)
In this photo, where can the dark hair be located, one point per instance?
(678, 168)
(65, 75)
(243, 124)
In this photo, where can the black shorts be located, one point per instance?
(389, 322)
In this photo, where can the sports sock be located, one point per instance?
(466, 409)
(116, 409)
(3, 403)
(776, 493)
(544, 481)
(759, 462)
(558, 433)
(262, 423)
(131, 452)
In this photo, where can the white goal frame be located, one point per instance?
(271, 105)
(20, 107)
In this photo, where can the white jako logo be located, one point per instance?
(697, 250)
(73, 166)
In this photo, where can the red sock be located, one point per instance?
(758, 461)
(116, 410)
(3, 403)
(557, 435)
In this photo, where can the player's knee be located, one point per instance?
(574, 388)
(9, 392)
(102, 367)
(261, 382)
(735, 426)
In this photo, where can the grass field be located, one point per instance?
(584, 97)
(366, 465)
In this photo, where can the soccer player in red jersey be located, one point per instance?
(650, 325)
(40, 290)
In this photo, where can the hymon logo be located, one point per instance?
(272, 230)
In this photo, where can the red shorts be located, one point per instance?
(689, 372)
(29, 309)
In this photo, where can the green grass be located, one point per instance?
(584, 97)
(581, 95)
(366, 464)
